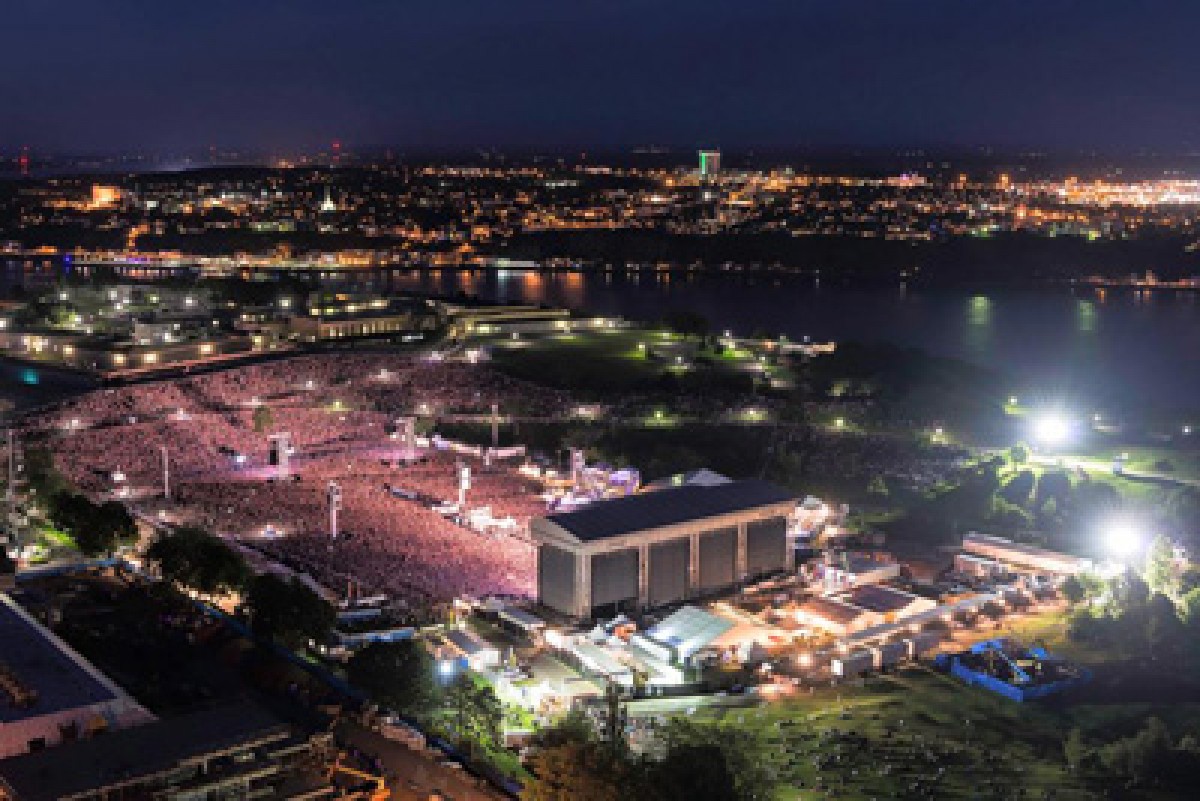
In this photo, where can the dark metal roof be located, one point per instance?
(667, 507)
(38, 662)
(130, 754)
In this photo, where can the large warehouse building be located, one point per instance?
(661, 547)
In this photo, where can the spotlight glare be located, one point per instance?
(1122, 538)
(1052, 429)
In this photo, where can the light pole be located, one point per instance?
(335, 503)
(166, 468)
(10, 492)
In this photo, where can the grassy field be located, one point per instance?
(879, 739)
(602, 363)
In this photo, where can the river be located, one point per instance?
(1108, 347)
(1120, 347)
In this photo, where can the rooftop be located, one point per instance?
(689, 630)
(44, 664)
(878, 598)
(832, 610)
(613, 518)
(138, 752)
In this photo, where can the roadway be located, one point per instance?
(1102, 466)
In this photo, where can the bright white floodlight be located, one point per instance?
(1122, 538)
(1052, 429)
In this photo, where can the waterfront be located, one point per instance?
(1120, 347)
(1110, 347)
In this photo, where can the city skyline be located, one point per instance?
(281, 77)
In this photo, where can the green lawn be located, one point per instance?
(874, 741)
(609, 362)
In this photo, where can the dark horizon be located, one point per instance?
(284, 77)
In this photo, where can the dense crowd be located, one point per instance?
(339, 413)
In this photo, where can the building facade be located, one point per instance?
(662, 547)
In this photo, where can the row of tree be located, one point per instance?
(689, 759)
(1149, 757)
(403, 676)
(1156, 611)
(95, 528)
(282, 610)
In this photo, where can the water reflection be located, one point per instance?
(979, 322)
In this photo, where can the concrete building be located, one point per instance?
(847, 570)
(836, 617)
(890, 603)
(346, 316)
(236, 751)
(49, 694)
(661, 547)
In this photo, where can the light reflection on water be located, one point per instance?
(1134, 346)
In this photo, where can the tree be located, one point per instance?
(1189, 579)
(1161, 574)
(721, 753)
(1018, 454)
(578, 769)
(194, 559)
(1073, 590)
(1019, 488)
(1075, 751)
(477, 715)
(615, 720)
(399, 675)
(96, 530)
(1189, 610)
(878, 487)
(1164, 631)
(689, 771)
(570, 763)
(263, 419)
(287, 611)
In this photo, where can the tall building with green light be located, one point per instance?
(710, 163)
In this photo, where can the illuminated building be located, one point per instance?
(710, 163)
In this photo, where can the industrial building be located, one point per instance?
(234, 751)
(1024, 557)
(661, 547)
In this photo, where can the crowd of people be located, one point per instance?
(339, 413)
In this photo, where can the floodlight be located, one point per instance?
(1122, 538)
(1052, 429)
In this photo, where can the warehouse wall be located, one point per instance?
(766, 546)
(556, 578)
(615, 577)
(669, 571)
(718, 558)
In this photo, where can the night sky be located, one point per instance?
(285, 74)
